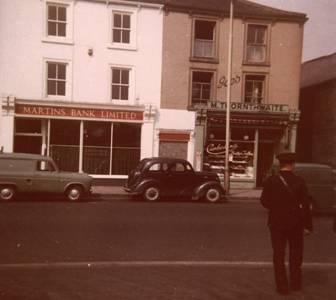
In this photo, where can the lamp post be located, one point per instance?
(228, 103)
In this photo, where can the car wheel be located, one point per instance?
(151, 194)
(213, 194)
(7, 193)
(74, 193)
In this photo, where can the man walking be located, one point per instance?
(289, 218)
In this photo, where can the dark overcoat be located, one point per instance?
(287, 207)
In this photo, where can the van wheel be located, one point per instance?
(151, 193)
(213, 195)
(7, 193)
(74, 193)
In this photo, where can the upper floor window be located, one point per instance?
(121, 31)
(123, 27)
(204, 41)
(57, 20)
(254, 88)
(256, 43)
(58, 16)
(202, 83)
(56, 79)
(120, 83)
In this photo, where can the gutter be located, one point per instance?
(128, 3)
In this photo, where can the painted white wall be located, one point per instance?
(6, 132)
(176, 119)
(23, 50)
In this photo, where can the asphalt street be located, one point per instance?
(168, 250)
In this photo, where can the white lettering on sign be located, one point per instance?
(77, 112)
(251, 107)
(215, 149)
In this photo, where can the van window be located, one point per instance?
(43, 165)
(16, 164)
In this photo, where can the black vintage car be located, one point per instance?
(158, 177)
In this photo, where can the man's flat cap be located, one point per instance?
(286, 157)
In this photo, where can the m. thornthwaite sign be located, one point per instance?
(78, 112)
(246, 107)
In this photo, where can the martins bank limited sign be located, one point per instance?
(77, 112)
(245, 107)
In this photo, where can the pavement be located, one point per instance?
(116, 192)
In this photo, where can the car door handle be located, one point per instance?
(29, 181)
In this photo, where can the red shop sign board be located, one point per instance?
(78, 112)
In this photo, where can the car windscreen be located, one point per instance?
(141, 164)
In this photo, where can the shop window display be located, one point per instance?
(97, 147)
(241, 152)
(126, 147)
(64, 144)
(28, 136)
(107, 148)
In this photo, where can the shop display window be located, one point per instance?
(27, 126)
(241, 160)
(241, 152)
(126, 147)
(64, 144)
(28, 136)
(104, 148)
(97, 147)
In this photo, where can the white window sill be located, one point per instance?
(54, 97)
(121, 102)
(128, 47)
(57, 41)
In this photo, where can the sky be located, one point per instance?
(320, 29)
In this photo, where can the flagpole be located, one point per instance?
(228, 103)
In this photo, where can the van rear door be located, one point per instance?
(320, 183)
(18, 172)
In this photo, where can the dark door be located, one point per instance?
(180, 180)
(265, 161)
(46, 178)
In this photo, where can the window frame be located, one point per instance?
(68, 79)
(133, 13)
(267, 26)
(68, 38)
(215, 40)
(212, 85)
(264, 91)
(131, 84)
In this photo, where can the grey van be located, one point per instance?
(32, 173)
(320, 180)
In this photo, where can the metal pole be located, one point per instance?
(228, 104)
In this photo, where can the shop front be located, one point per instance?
(257, 132)
(99, 140)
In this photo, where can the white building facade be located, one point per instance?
(81, 81)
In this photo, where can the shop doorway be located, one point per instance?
(265, 161)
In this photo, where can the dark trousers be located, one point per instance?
(292, 237)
